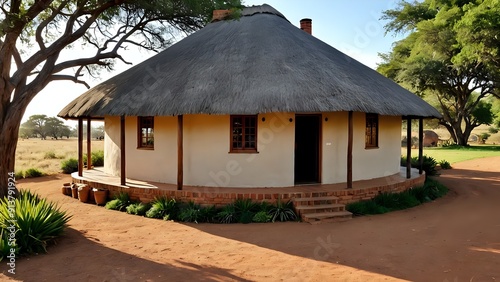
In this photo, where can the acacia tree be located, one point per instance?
(441, 58)
(35, 34)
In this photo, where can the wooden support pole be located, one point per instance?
(122, 151)
(89, 144)
(349, 151)
(420, 145)
(180, 152)
(408, 147)
(80, 147)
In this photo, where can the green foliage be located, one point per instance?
(227, 214)
(450, 56)
(37, 221)
(4, 244)
(208, 214)
(43, 126)
(493, 130)
(163, 207)
(445, 164)
(386, 202)
(245, 210)
(119, 202)
(33, 172)
(484, 136)
(366, 207)
(262, 217)
(282, 211)
(19, 174)
(190, 213)
(429, 164)
(97, 158)
(69, 166)
(138, 208)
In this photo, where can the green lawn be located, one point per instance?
(455, 154)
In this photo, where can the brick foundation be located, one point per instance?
(204, 196)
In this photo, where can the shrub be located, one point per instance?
(493, 130)
(119, 202)
(138, 208)
(97, 158)
(484, 136)
(208, 214)
(163, 207)
(19, 174)
(50, 155)
(445, 164)
(190, 213)
(69, 166)
(366, 207)
(37, 221)
(429, 164)
(386, 202)
(282, 211)
(261, 217)
(227, 214)
(245, 210)
(32, 172)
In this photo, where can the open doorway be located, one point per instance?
(307, 149)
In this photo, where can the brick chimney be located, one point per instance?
(306, 25)
(219, 15)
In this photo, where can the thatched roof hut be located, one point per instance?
(259, 63)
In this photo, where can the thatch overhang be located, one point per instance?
(259, 63)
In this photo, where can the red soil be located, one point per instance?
(456, 238)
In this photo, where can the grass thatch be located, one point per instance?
(258, 63)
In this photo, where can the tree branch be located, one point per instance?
(70, 78)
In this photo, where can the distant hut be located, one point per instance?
(252, 102)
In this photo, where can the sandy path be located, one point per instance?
(456, 238)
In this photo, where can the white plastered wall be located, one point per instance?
(207, 161)
(367, 163)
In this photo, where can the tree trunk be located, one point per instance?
(8, 144)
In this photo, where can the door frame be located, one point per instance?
(320, 147)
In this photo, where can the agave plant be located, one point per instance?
(119, 203)
(163, 207)
(138, 208)
(282, 211)
(37, 221)
(227, 214)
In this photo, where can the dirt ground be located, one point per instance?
(456, 238)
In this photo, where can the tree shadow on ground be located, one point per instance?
(95, 262)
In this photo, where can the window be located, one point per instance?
(243, 134)
(371, 138)
(146, 137)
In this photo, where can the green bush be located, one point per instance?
(493, 130)
(163, 207)
(138, 208)
(366, 207)
(445, 164)
(97, 158)
(429, 164)
(190, 213)
(282, 211)
(119, 202)
(245, 210)
(69, 166)
(227, 214)
(208, 214)
(386, 202)
(37, 221)
(261, 217)
(32, 172)
(19, 174)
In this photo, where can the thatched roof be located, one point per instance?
(259, 63)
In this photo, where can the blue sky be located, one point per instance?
(352, 27)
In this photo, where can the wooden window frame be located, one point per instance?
(369, 142)
(243, 149)
(140, 122)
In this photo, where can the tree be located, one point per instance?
(35, 37)
(56, 128)
(36, 126)
(438, 59)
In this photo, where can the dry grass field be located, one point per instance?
(47, 155)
